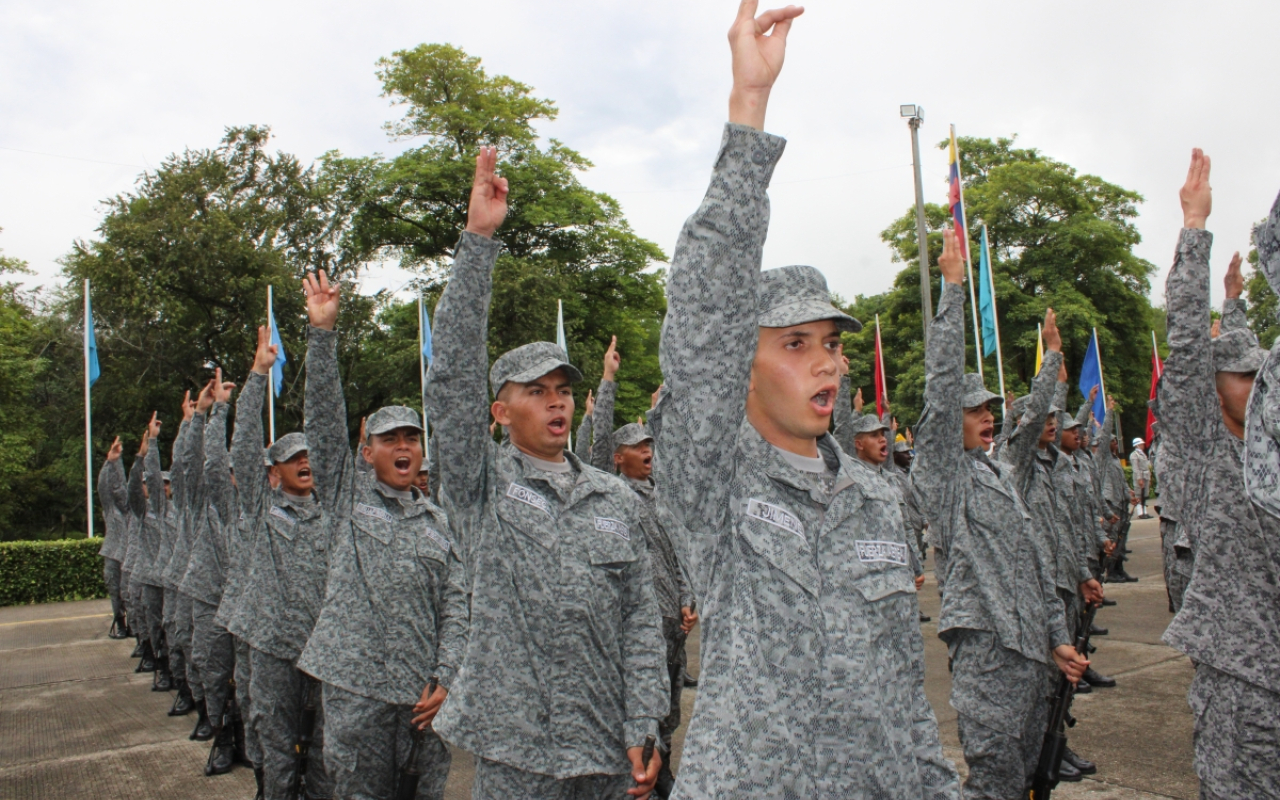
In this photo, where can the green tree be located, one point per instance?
(1263, 310)
(1058, 239)
(21, 431)
(562, 240)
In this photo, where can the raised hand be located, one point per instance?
(591, 404)
(858, 402)
(1093, 394)
(221, 390)
(1234, 281)
(612, 360)
(153, 427)
(844, 365)
(488, 207)
(205, 399)
(1063, 377)
(1215, 329)
(950, 262)
(264, 358)
(188, 406)
(322, 300)
(113, 453)
(364, 428)
(146, 442)
(1111, 403)
(1008, 401)
(1195, 194)
(759, 46)
(1052, 337)
(653, 398)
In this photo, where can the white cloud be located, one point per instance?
(1119, 90)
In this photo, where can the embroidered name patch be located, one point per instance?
(437, 538)
(775, 515)
(528, 496)
(376, 513)
(613, 526)
(892, 552)
(277, 511)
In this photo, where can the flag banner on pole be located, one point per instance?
(1039, 347)
(564, 344)
(882, 390)
(1091, 376)
(277, 371)
(91, 342)
(986, 298)
(425, 322)
(1157, 369)
(954, 201)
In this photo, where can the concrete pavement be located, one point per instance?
(76, 722)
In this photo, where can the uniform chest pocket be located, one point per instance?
(281, 526)
(375, 527)
(527, 515)
(610, 553)
(884, 579)
(432, 547)
(784, 548)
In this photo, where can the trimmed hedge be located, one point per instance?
(47, 572)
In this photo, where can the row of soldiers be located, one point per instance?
(526, 607)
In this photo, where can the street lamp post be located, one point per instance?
(915, 117)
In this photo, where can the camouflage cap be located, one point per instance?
(976, 392)
(530, 362)
(901, 447)
(792, 295)
(631, 434)
(286, 447)
(1020, 406)
(391, 418)
(1237, 351)
(867, 423)
(1066, 422)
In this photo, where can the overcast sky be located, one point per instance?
(1121, 90)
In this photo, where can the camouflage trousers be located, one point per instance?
(153, 602)
(275, 712)
(367, 743)
(1237, 736)
(214, 656)
(131, 590)
(1177, 564)
(177, 610)
(244, 699)
(1002, 715)
(111, 576)
(497, 781)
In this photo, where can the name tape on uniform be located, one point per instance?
(775, 515)
(892, 552)
(528, 496)
(372, 511)
(435, 536)
(613, 526)
(277, 511)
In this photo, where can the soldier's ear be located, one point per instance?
(499, 412)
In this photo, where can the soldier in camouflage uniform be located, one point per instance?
(131, 585)
(630, 454)
(1211, 406)
(812, 681)
(289, 537)
(562, 677)
(146, 569)
(1140, 467)
(395, 592)
(183, 702)
(1001, 616)
(115, 504)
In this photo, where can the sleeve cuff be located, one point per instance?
(446, 675)
(753, 153)
(634, 731)
(1058, 637)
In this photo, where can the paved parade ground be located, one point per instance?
(76, 722)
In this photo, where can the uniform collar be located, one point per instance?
(760, 452)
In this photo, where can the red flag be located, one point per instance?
(882, 391)
(1157, 369)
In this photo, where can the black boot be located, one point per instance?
(257, 776)
(690, 682)
(1083, 687)
(137, 650)
(182, 703)
(204, 728)
(237, 730)
(163, 681)
(924, 617)
(1094, 630)
(222, 753)
(1083, 765)
(148, 662)
(1098, 679)
(1107, 601)
(1068, 772)
(118, 629)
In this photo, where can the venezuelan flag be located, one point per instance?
(956, 200)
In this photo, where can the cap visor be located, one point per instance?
(804, 311)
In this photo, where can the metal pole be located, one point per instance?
(995, 310)
(422, 381)
(922, 233)
(968, 262)
(1155, 349)
(88, 421)
(271, 377)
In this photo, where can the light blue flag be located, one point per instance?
(277, 371)
(986, 298)
(1091, 376)
(91, 341)
(425, 324)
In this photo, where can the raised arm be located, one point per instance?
(328, 445)
(197, 496)
(1021, 447)
(178, 463)
(137, 505)
(1233, 308)
(582, 445)
(458, 381)
(247, 438)
(217, 460)
(602, 414)
(151, 461)
(1188, 396)
(842, 415)
(111, 479)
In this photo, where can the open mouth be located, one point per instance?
(988, 434)
(824, 401)
(402, 465)
(557, 426)
(648, 462)
(305, 472)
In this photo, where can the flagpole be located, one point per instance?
(271, 376)
(422, 378)
(995, 310)
(968, 256)
(1102, 384)
(1155, 349)
(883, 388)
(88, 420)
(563, 341)
(1039, 346)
